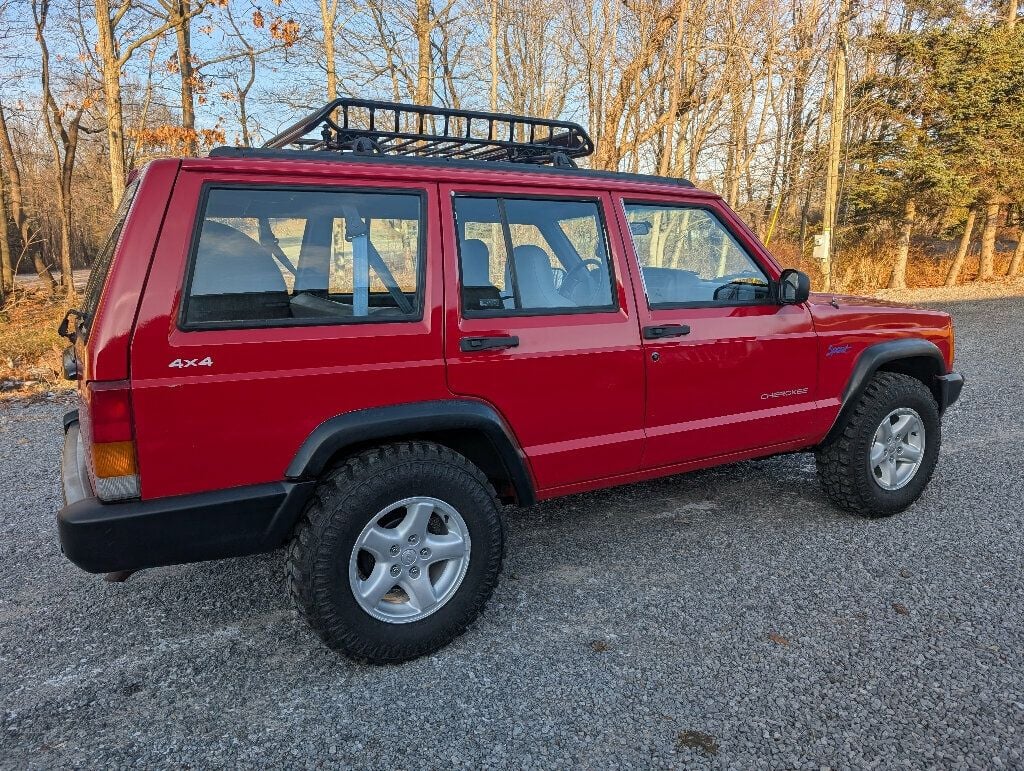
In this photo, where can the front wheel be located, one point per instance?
(882, 460)
(397, 553)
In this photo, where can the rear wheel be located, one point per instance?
(882, 460)
(397, 553)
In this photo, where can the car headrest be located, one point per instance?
(230, 262)
(536, 279)
(476, 263)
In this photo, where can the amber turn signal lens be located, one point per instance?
(113, 459)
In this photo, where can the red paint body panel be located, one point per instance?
(573, 389)
(583, 395)
(106, 356)
(718, 390)
(242, 421)
(860, 322)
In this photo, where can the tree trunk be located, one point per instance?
(64, 145)
(328, 20)
(6, 264)
(986, 270)
(243, 99)
(961, 253)
(1012, 8)
(835, 144)
(492, 44)
(183, 35)
(423, 28)
(898, 280)
(67, 274)
(803, 42)
(17, 208)
(1018, 257)
(111, 66)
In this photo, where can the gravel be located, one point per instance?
(726, 619)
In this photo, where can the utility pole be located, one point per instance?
(823, 244)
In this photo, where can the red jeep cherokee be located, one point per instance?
(360, 348)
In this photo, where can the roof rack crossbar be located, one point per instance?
(350, 125)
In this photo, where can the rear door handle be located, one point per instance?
(666, 330)
(471, 344)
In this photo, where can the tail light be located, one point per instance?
(112, 439)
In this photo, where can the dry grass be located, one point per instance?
(866, 268)
(30, 350)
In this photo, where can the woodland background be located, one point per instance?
(894, 127)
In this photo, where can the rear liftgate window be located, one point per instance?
(281, 257)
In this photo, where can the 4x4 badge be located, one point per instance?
(185, 363)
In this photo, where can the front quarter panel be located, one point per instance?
(851, 324)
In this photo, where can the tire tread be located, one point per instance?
(838, 463)
(308, 581)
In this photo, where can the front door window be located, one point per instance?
(689, 259)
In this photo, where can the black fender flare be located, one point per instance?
(414, 419)
(871, 360)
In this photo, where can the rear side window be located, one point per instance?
(101, 265)
(532, 256)
(278, 257)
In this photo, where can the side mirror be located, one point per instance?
(794, 287)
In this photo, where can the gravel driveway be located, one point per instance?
(729, 619)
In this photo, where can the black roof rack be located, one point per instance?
(368, 127)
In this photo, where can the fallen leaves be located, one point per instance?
(599, 646)
(900, 608)
(697, 740)
(777, 638)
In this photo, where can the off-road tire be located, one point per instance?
(843, 466)
(342, 505)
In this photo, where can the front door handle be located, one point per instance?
(666, 330)
(471, 344)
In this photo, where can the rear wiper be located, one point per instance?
(66, 330)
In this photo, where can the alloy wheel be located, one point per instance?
(409, 560)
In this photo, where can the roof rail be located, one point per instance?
(368, 127)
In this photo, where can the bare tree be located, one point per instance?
(6, 264)
(21, 220)
(63, 125)
(329, 22)
(115, 46)
(835, 149)
(239, 61)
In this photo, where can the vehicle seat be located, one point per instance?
(478, 293)
(536, 279)
(235, 278)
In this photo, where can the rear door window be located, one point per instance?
(281, 257)
(532, 256)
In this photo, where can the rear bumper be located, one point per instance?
(950, 387)
(131, 535)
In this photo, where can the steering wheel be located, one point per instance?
(733, 283)
(574, 277)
